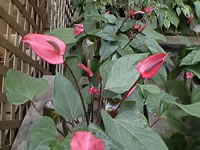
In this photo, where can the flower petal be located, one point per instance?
(47, 51)
(86, 69)
(78, 29)
(150, 66)
(93, 90)
(84, 140)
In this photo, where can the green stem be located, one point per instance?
(79, 91)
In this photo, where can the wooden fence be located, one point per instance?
(17, 18)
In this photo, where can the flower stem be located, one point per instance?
(79, 91)
(125, 97)
(100, 101)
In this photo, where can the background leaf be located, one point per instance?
(21, 88)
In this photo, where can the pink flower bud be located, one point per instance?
(137, 27)
(86, 69)
(93, 90)
(107, 12)
(189, 19)
(49, 48)
(84, 140)
(78, 29)
(131, 13)
(142, 28)
(150, 66)
(148, 10)
(189, 75)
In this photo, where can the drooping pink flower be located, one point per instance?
(132, 13)
(78, 29)
(93, 90)
(148, 9)
(84, 140)
(86, 69)
(47, 47)
(189, 19)
(189, 75)
(150, 66)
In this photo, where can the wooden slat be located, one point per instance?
(36, 8)
(3, 69)
(8, 147)
(174, 40)
(3, 97)
(11, 21)
(10, 124)
(10, 47)
(26, 14)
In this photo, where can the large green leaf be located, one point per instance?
(192, 58)
(153, 34)
(131, 130)
(153, 46)
(196, 95)
(197, 8)
(66, 100)
(122, 75)
(107, 48)
(21, 88)
(43, 135)
(64, 34)
(110, 144)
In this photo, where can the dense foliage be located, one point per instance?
(128, 83)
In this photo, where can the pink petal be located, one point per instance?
(78, 29)
(150, 66)
(84, 140)
(131, 13)
(93, 90)
(86, 69)
(107, 12)
(137, 27)
(148, 10)
(40, 45)
(189, 75)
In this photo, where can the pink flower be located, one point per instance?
(137, 27)
(148, 10)
(78, 29)
(47, 47)
(132, 13)
(107, 12)
(86, 69)
(150, 66)
(189, 19)
(189, 75)
(93, 90)
(84, 140)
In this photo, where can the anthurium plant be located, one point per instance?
(128, 78)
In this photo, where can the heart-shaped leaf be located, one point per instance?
(21, 88)
(66, 100)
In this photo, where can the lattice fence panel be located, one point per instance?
(17, 18)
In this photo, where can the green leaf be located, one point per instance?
(110, 18)
(123, 74)
(110, 144)
(197, 8)
(148, 31)
(127, 25)
(108, 33)
(86, 95)
(72, 62)
(21, 88)
(107, 48)
(153, 46)
(196, 95)
(82, 126)
(42, 133)
(185, 41)
(131, 130)
(66, 100)
(173, 121)
(64, 34)
(160, 77)
(149, 89)
(192, 109)
(192, 58)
